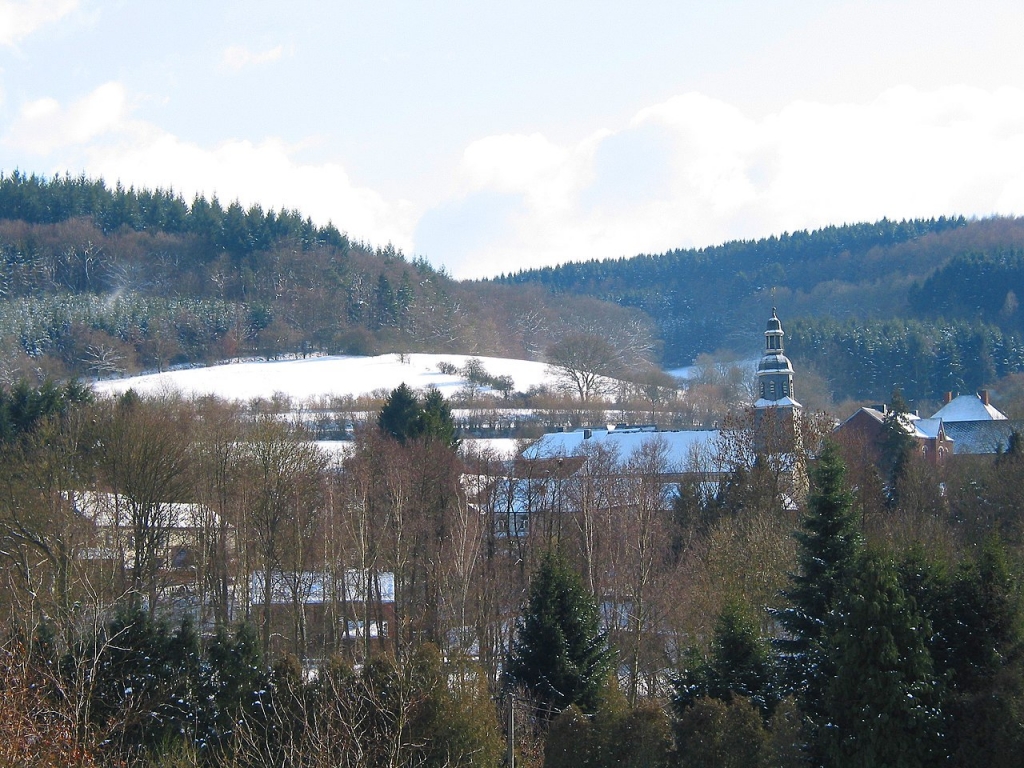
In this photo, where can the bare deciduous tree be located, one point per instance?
(584, 363)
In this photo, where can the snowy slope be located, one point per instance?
(312, 377)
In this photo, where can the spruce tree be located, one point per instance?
(401, 415)
(436, 419)
(559, 653)
(740, 665)
(404, 417)
(896, 445)
(829, 542)
(880, 705)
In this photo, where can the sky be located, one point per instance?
(492, 137)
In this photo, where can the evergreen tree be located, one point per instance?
(143, 682)
(559, 653)
(401, 415)
(828, 542)
(740, 665)
(235, 686)
(981, 654)
(896, 444)
(713, 734)
(452, 715)
(404, 417)
(881, 702)
(436, 419)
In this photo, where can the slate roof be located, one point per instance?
(979, 437)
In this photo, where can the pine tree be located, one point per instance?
(897, 445)
(436, 419)
(740, 665)
(404, 417)
(559, 653)
(829, 542)
(401, 415)
(881, 703)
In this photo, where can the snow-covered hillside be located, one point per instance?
(302, 379)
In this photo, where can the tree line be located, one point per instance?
(626, 611)
(925, 359)
(99, 282)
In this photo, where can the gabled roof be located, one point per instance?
(912, 424)
(968, 408)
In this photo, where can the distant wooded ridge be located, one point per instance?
(925, 305)
(98, 280)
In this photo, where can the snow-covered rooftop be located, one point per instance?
(110, 510)
(680, 445)
(782, 402)
(968, 408)
(912, 423)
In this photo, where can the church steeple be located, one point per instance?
(775, 372)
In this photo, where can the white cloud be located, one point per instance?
(547, 175)
(98, 135)
(690, 171)
(238, 57)
(44, 125)
(265, 173)
(20, 19)
(697, 171)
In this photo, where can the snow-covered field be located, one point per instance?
(303, 379)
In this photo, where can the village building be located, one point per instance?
(350, 605)
(542, 481)
(975, 425)
(866, 429)
(183, 531)
(966, 425)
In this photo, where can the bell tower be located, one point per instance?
(775, 372)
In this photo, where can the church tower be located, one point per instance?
(775, 372)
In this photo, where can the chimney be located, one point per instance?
(948, 399)
(984, 396)
(586, 434)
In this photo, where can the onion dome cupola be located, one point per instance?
(774, 372)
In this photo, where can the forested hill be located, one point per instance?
(101, 281)
(925, 305)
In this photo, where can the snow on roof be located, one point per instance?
(912, 423)
(968, 408)
(782, 402)
(927, 427)
(680, 445)
(111, 510)
(982, 437)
